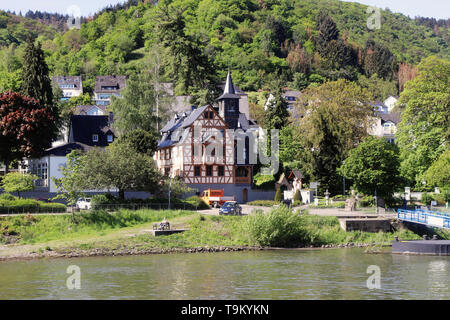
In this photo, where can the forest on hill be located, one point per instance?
(297, 43)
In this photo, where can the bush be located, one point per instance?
(264, 182)
(52, 207)
(18, 206)
(367, 201)
(197, 202)
(278, 196)
(427, 198)
(278, 228)
(7, 197)
(340, 197)
(263, 203)
(297, 196)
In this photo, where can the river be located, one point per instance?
(278, 274)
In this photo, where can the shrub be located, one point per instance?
(52, 207)
(8, 197)
(197, 203)
(427, 198)
(278, 196)
(297, 196)
(264, 182)
(340, 197)
(263, 203)
(278, 228)
(367, 201)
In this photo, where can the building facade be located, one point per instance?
(106, 87)
(208, 147)
(71, 86)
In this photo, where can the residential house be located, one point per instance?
(106, 87)
(91, 110)
(291, 97)
(85, 132)
(385, 125)
(191, 147)
(391, 103)
(71, 86)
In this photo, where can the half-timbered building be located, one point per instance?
(201, 146)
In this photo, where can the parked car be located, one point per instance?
(84, 203)
(230, 208)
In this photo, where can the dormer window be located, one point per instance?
(95, 138)
(110, 138)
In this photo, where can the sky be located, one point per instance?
(426, 8)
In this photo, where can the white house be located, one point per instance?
(106, 87)
(391, 102)
(71, 86)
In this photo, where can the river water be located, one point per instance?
(278, 274)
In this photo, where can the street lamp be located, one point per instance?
(343, 179)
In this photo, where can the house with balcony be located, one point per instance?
(385, 125)
(71, 86)
(208, 147)
(106, 87)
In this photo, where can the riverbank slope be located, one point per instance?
(127, 232)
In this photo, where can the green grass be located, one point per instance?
(39, 229)
(127, 229)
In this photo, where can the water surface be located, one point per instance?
(281, 274)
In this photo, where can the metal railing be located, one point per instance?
(430, 218)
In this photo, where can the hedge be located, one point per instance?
(30, 206)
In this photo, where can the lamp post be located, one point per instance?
(170, 185)
(343, 181)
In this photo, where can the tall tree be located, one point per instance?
(378, 60)
(26, 127)
(121, 167)
(36, 82)
(424, 131)
(330, 121)
(190, 66)
(373, 166)
(277, 114)
(136, 109)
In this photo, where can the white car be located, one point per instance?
(84, 203)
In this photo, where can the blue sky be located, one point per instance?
(425, 8)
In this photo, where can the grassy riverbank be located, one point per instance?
(125, 232)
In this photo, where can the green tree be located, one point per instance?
(18, 182)
(142, 141)
(36, 82)
(374, 166)
(277, 114)
(136, 108)
(438, 174)
(329, 121)
(70, 184)
(424, 131)
(189, 65)
(121, 167)
(278, 196)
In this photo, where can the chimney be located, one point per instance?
(110, 119)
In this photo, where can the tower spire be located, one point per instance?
(229, 87)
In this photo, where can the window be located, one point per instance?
(110, 138)
(221, 171)
(209, 171)
(166, 172)
(197, 171)
(95, 138)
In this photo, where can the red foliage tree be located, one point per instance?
(26, 127)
